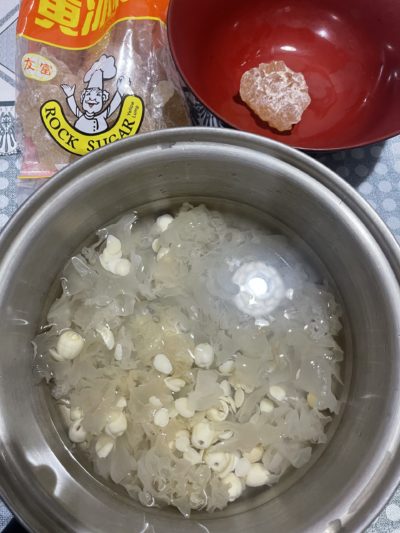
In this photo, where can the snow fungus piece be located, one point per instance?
(277, 94)
(107, 336)
(207, 391)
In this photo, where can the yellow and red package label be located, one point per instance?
(78, 24)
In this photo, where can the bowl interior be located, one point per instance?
(349, 53)
(42, 480)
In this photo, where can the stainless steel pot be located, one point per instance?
(345, 487)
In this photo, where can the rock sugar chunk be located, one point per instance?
(277, 94)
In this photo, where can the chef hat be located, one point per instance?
(96, 80)
(103, 69)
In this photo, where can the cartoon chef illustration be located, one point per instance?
(93, 118)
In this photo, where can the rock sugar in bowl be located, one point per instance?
(194, 356)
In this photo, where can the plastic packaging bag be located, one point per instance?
(86, 78)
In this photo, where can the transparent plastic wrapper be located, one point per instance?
(86, 78)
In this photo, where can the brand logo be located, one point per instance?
(91, 129)
(37, 67)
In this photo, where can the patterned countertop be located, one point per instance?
(374, 171)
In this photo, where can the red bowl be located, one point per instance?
(348, 51)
